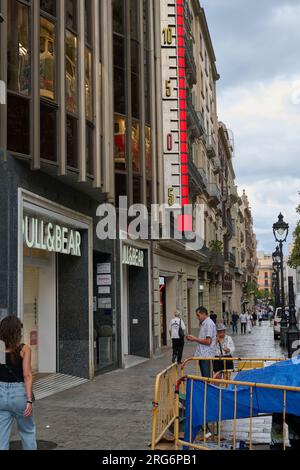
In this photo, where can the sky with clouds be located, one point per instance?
(257, 47)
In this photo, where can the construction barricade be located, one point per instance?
(169, 407)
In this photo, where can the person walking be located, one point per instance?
(213, 316)
(249, 322)
(260, 317)
(254, 315)
(16, 397)
(243, 320)
(235, 319)
(177, 331)
(206, 341)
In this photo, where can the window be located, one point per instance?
(135, 147)
(89, 149)
(148, 152)
(266, 275)
(71, 14)
(47, 59)
(136, 190)
(48, 132)
(120, 185)
(119, 74)
(18, 48)
(135, 81)
(118, 16)
(48, 6)
(88, 84)
(120, 143)
(18, 138)
(72, 142)
(88, 21)
(71, 72)
(134, 23)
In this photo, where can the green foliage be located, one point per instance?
(216, 247)
(294, 259)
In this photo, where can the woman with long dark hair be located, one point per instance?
(15, 386)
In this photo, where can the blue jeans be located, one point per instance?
(206, 368)
(12, 406)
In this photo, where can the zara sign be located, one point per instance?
(51, 237)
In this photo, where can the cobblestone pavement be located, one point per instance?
(114, 411)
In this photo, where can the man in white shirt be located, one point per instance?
(243, 320)
(177, 342)
(206, 341)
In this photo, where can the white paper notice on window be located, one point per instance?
(103, 268)
(104, 280)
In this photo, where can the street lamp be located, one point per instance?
(280, 231)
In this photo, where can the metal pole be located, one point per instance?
(293, 331)
(283, 323)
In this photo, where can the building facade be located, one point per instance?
(110, 99)
(264, 273)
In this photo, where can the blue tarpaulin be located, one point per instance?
(286, 373)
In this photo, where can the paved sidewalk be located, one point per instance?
(114, 411)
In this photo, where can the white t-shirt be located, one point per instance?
(174, 327)
(243, 318)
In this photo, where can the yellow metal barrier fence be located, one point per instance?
(164, 403)
(203, 445)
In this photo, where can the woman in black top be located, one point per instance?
(15, 385)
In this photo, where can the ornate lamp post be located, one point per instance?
(276, 288)
(280, 231)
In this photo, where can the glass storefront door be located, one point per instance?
(30, 312)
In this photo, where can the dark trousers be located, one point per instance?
(234, 327)
(206, 368)
(243, 328)
(178, 345)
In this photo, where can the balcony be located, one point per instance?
(211, 146)
(197, 179)
(216, 262)
(216, 165)
(214, 195)
(233, 193)
(231, 260)
(230, 227)
(190, 64)
(195, 120)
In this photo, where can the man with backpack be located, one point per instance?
(177, 332)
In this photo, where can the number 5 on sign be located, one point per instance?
(168, 88)
(171, 198)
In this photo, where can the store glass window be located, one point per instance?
(120, 143)
(48, 132)
(135, 147)
(48, 6)
(88, 84)
(18, 118)
(72, 142)
(71, 72)
(149, 194)
(47, 59)
(71, 14)
(18, 48)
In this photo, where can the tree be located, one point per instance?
(294, 259)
